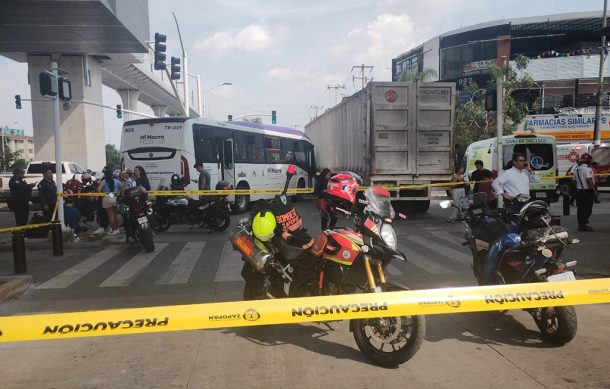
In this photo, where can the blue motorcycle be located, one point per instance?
(523, 247)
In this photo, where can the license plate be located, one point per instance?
(565, 276)
(541, 195)
(143, 220)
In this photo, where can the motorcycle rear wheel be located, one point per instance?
(557, 324)
(407, 331)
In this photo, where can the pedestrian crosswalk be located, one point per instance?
(431, 251)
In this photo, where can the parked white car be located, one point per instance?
(33, 174)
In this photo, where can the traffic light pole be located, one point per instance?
(499, 129)
(58, 159)
(185, 71)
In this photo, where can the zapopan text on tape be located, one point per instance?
(307, 309)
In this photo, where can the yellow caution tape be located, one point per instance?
(23, 228)
(307, 309)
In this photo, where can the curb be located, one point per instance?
(14, 286)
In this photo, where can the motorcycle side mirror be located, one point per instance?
(446, 204)
(292, 170)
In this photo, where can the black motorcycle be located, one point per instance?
(212, 212)
(509, 248)
(134, 208)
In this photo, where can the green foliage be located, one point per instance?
(426, 75)
(11, 159)
(113, 157)
(473, 123)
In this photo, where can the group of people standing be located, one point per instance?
(21, 195)
(516, 181)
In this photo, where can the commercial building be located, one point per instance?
(563, 52)
(15, 140)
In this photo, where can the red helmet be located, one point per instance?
(586, 158)
(343, 187)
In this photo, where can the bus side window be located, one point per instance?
(273, 150)
(288, 150)
(203, 140)
(239, 147)
(255, 148)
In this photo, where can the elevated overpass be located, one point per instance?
(96, 42)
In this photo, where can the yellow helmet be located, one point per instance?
(263, 225)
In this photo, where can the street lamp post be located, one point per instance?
(207, 90)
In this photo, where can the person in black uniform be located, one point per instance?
(47, 193)
(21, 193)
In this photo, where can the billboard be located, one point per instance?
(566, 128)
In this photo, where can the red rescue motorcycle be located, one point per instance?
(340, 261)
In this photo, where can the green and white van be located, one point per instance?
(540, 152)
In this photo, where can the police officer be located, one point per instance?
(47, 194)
(21, 193)
(586, 193)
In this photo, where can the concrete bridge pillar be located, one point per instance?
(159, 110)
(82, 125)
(130, 101)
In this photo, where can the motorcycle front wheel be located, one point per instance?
(389, 341)
(160, 222)
(218, 219)
(146, 237)
(557, 324)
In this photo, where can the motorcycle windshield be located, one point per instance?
(378, 202)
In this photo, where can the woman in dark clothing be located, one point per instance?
(327, 212)
(141, 177)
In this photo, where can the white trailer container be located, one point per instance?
(392, 134)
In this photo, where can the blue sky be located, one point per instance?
(281, 55)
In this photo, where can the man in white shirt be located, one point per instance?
(586, 193)
(516, 180)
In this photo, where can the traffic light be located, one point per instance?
(119, 111)
(230, 117)
(175, 68)
(273, 117)
(18, 101)
(160, 51)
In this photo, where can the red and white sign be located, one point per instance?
(391, 96)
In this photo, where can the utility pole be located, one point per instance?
(316, 108)
(362, 76)
(57, 136)
(500, 126)
(185, 71)
(336, 88)
(600, 88)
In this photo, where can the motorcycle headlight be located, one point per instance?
(388, 235)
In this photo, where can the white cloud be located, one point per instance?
(251, 38)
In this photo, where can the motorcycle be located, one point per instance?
(340, 261)
(135, 210)
(523, 248)
(213, 213)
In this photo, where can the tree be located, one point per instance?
(473, 123)
(425, 75)
(113, 157)
(10, 158)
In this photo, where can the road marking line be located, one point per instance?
(81, 269)
(431, 228)
(448, 252)
(126, 274)
(449, 237)
(181, 268)
(230, 265)
(423, 262)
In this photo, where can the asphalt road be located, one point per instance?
(478, 350)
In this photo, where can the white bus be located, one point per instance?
(248, 155)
